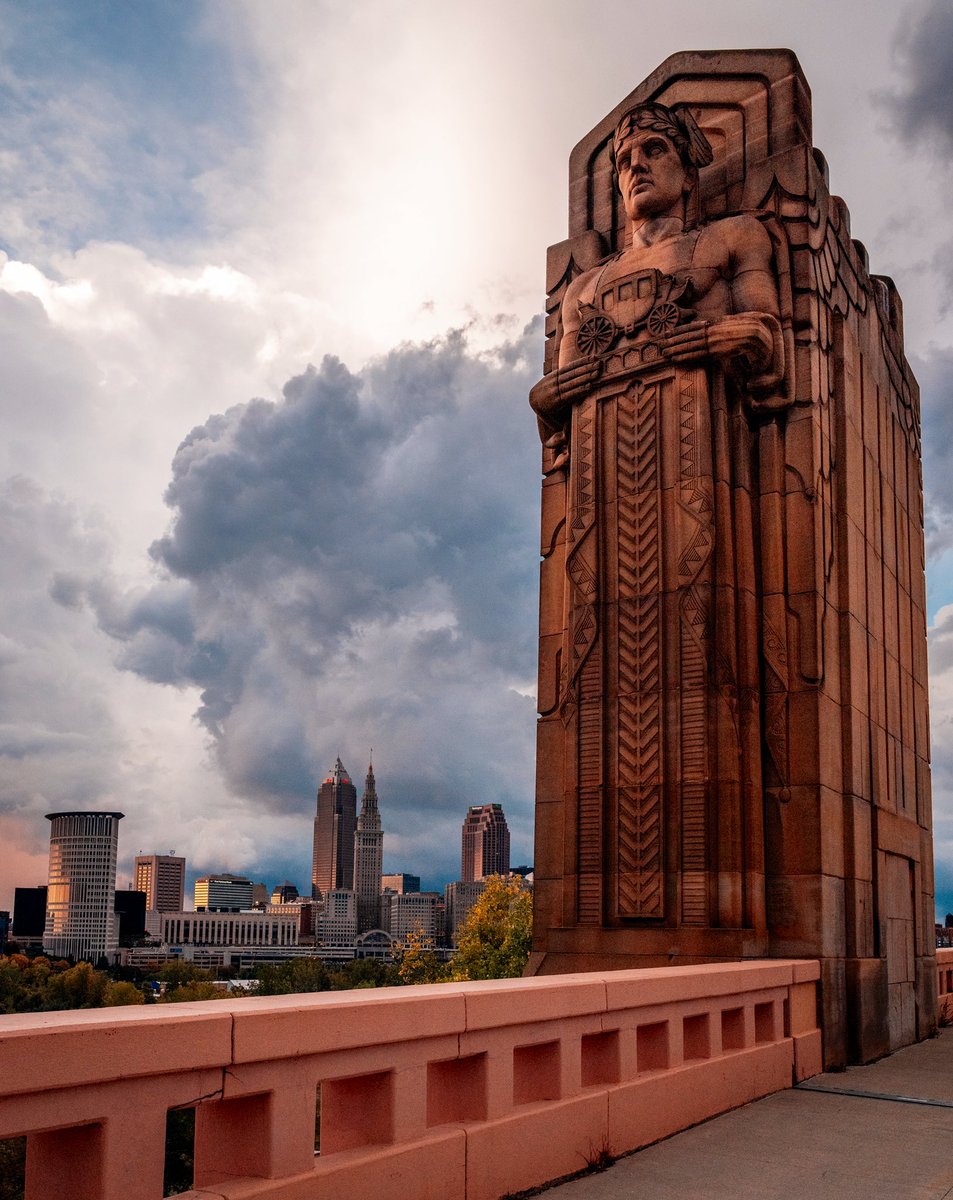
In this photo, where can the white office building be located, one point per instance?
(80, 919)
(253, 928)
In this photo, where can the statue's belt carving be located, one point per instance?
(644, 305)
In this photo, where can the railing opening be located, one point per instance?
(179, 1151)
(456, 1090)
(764, 1023)
(600, 1058)
(696, 1037)
(12, 1168)
(651, 1047)
(357, 1111)
(536, 1073)
(317, 1122)
(733, 1029)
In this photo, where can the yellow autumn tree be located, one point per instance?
(416, 960)
(496, 936)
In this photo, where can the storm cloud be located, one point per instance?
(922, 107)
(354, 566)
(934, 372)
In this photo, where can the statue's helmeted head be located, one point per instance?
(678, 125)
(656, 152)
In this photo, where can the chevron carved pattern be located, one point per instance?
(589, 768)
(639, 708)
(640, 844)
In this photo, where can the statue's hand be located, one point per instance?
(560, 388)
(748, 338)
(750, 343)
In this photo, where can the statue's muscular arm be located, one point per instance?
(748, 335)
(552, 397)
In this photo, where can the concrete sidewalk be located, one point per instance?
(819, 1145)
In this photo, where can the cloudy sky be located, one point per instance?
(270, 277)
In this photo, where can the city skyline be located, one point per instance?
(168, 881)
(80, 913)
(269, 490)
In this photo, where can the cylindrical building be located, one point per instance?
(80, 917)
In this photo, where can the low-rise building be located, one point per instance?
(285, 893)
(459, 898)
(402, 914)
(29, 915)
(337, 920)
(305, 909)
(250, 928)
(400, 882)
(223, 893)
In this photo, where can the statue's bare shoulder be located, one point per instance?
(736, 244)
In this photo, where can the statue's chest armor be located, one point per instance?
(668, 283)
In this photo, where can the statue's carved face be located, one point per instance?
(652, 176)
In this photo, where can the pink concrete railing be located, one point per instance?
(944, 985)
(442, 1092)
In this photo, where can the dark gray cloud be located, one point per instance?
(935, 374)
(355, 566)
(923, 106)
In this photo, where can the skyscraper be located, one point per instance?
(486, 842)
(162, 878)
(368, 857)
(80, 916)
(334, 828)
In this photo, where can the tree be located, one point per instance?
(180, 973)
(38, 985)
(295, 975)
(122, 992)
(197, 989)
(81, 986)
(496, 936)
(362, 973)
(416, 960)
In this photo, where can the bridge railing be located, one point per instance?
(944, 985)
(443, 1092)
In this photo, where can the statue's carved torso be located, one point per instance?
(705, 274)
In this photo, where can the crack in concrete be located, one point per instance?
(832, 1091)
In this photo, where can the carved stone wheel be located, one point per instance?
(596, 335)
(663, 318)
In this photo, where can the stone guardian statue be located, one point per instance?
(709, 321)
